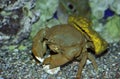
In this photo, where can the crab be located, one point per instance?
(68, 42)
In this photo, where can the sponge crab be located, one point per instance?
(68, 42)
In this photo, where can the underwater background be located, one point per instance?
(20, 20)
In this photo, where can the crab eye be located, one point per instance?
(71, 7)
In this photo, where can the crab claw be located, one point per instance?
(39, 45)
(55, 60)
(47, 69)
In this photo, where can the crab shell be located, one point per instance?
(68, 42)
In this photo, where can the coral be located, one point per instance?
(15, 22)
(46, 9)
(115, 6)
(98, 7)
(111, 30)
(10, 22)
(105, 18)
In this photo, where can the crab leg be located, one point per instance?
(92, 59)
(81, 65)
